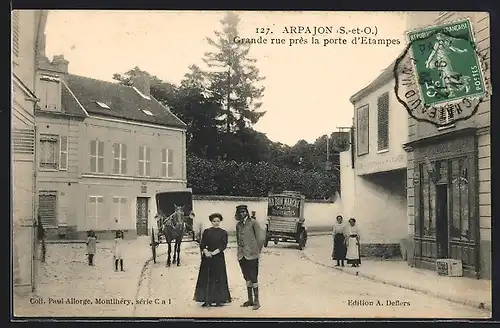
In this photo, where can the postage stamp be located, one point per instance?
(440, 75)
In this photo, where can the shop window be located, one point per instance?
(460, 228)
(428, 202)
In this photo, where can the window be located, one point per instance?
(96, 156)
(63, 153)
(53, 152)
(119, 158)
(446, 115)
(94, 211)
(103, 105)
(144, 161)
(120, 209)
(15, 33)
(47, 208)
(49, 93)
(167, 156)
(363, 130)
(383, 121)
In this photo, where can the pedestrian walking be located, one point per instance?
(339, 241)
(250, 239)
(212, 285)
(118, 250)
(91, 246)
(353, 255)
(41, 237)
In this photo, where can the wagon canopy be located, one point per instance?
(167, 200)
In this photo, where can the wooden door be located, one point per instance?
(142, 216)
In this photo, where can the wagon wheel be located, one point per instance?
(302, 238)
(153, 245)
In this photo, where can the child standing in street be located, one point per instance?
(91, 246)
(118, 250)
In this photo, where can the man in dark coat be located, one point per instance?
(250, 239)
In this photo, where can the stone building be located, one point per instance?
(373, 172)
(27, 27)
(105, 150)
(449, 174)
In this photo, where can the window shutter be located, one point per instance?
(15, 33)
(63, 153)
(170, 163)
(100, 158)
(383, 121)
(47, 209)
(93, 156)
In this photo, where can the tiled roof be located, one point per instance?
(123, 102)
(69, 104)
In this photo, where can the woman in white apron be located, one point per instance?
(353, 241)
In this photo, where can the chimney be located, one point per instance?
(142, 82)
(60, 63)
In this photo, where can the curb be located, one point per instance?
(473, 304)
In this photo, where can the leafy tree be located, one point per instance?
(232, 77)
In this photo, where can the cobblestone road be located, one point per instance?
(291, 286)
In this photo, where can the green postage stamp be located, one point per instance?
(446, 63)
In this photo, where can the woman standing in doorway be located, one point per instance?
(353, 257)
(339, 241)
(212, 285)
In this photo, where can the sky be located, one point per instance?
(308, 86)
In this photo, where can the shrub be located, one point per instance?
(231, 178)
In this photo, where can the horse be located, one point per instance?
(173, 229)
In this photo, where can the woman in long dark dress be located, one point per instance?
(212, 286)
(339, 241)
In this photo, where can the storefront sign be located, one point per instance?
(380, 165)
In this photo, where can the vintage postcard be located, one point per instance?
(244, 164)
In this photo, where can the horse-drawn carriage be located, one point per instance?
(285, 221)
(174, 221)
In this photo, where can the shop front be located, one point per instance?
(446, 200)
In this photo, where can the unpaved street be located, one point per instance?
(291, 286)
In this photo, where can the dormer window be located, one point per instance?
(102, 105)
(147, 112)
(49, 92)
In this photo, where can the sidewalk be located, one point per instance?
(66, 274)
(468, 291)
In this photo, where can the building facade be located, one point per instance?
(449, 175)
(373, 174)
(106, 149)
(26, 29)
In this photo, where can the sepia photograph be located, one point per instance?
(250, 164)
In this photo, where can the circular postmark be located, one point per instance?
(440, 76)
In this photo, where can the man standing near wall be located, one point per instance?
(250, 239)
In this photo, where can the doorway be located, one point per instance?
(442, 220)
(142, 216)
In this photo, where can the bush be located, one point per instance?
(231, 178)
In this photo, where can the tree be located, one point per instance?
(233, 76)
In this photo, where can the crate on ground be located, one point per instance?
(449, 267)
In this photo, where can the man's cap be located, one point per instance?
(241, 207)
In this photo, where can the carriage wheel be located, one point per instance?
(302, 239)
(153, 245)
